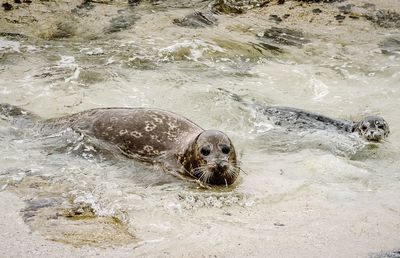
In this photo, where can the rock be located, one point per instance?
(340, 17)
(368, 6)
(13, 35)
(355, 15)
(345, 9)
(390, 46)
(237, 6)
(284, 36)
(317, 11)
(101, 1)
(63, 28)
(7, 6)
(121, 23)
(81, 9)
(198, 19)
(133, 2)
(385, 18)
(321, 1)
(33, 206)
(390, 254)
(86, 4)
(275, 18)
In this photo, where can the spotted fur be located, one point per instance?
(372, 128)
(154, 135)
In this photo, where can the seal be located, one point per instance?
(154, 136)
(371, 128)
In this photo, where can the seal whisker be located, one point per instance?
(209, 176)
(201, 184)
(206, 174)
(240, 169)
(234, 171)
(203, 176)
(236, 166)
(202, 171)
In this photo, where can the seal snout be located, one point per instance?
(220, 167)
(374, 136)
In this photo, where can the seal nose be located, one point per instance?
(221, 166)
(374, 136)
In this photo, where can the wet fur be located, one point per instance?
(371, 128)
(148, 135)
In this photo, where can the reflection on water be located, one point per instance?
(304, 189)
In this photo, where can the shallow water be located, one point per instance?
(310, 193)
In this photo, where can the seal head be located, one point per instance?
(211, 158)
(372, 128)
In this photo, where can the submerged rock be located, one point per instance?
(284, 36)
(33, 206)
(390, 254)
(60, 29)
(85, 5)
(74, 221)
(198, 19)
(120, 23)
(13, 35)
(390, 45)
(192, 4)
(271, 48)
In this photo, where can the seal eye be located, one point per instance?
(205, 151)
(225, 149)
(364, 127)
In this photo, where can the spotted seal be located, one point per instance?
(370, 128)
(154, 136)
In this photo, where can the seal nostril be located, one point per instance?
(221, 166)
